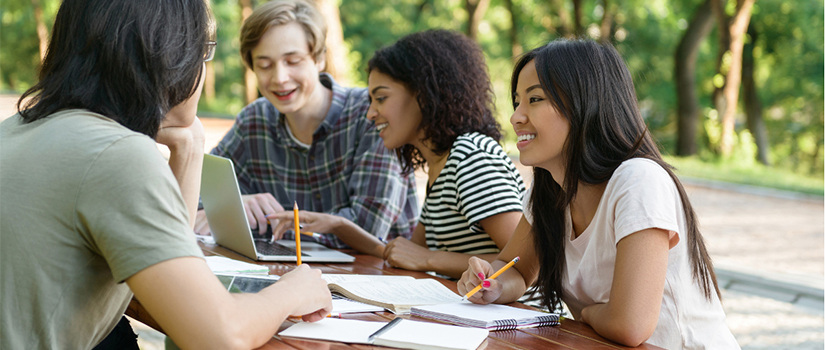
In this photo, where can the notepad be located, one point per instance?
(224, 265)
(395, 293)
(407, 334)
(491, 316)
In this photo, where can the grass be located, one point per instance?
(753, 175)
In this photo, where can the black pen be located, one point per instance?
(385, 328)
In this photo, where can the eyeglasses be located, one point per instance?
(210, 51)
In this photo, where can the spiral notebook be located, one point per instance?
(492, 316)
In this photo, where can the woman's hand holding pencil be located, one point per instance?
(473, 280)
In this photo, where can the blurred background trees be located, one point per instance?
(728, 81)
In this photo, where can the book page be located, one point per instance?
(425, 335)
(406, 334)
(343, 306)
(402, 293)
(338, 278)
(334, 329)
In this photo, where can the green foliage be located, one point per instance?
(788, 52)
(708, 167)
(20, 54)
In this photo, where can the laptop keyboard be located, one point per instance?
(266, 248)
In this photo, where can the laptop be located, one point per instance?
(224, 209)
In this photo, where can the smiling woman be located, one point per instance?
(432, 102)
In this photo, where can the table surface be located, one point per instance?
(569, 335)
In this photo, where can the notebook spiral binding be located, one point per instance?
(505, 325)
(549, 320)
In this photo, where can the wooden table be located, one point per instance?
(569, 335)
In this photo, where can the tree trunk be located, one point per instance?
(515, 45)
(336, 55)
(685, 75)
(731, 41)
(209, 82)
(606, 27)
(753, 106)
(42, 31)
(475, 12)
(577, 18)
(565, 27)
(249, 78)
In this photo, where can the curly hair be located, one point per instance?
(447, 72)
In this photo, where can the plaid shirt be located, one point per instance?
(346, 171)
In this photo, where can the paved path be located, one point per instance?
(773, 240)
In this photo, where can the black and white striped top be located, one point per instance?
(478, 181)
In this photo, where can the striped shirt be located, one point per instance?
(478, 181)
(346, 171)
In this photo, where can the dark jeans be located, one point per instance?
(121, 337)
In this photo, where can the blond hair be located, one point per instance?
(281, 12)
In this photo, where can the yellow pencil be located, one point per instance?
(500, 271)
(297, 233)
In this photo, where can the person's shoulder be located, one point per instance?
(476, 143)
(639, 167)
(354, 99)
(260, 109)
(90, 130)
(641, 172)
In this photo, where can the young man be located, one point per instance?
(307, 141)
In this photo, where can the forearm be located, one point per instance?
(357, 238)
(511, 281)
(614, 325)
(186, 162)
(175, 292)
(265, 312)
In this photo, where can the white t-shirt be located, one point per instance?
(641, 195)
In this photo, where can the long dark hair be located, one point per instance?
(447, 73)
(590, 85)
(128, 60)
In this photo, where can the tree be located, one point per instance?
(515, 45)
(753, 106)
(685, 77)
(475, 12)
(336, 55)
(250, 81)
(606, 25)
(42, 32)
(732, 30)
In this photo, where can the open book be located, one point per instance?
(395, 293)
(406, 334)
(491, 316)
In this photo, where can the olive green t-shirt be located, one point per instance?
(85, 203)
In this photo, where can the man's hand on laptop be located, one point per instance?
(258, 206)
(310, 222)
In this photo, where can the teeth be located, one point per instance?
(526, 137)
(283, 93)
(381, 126)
